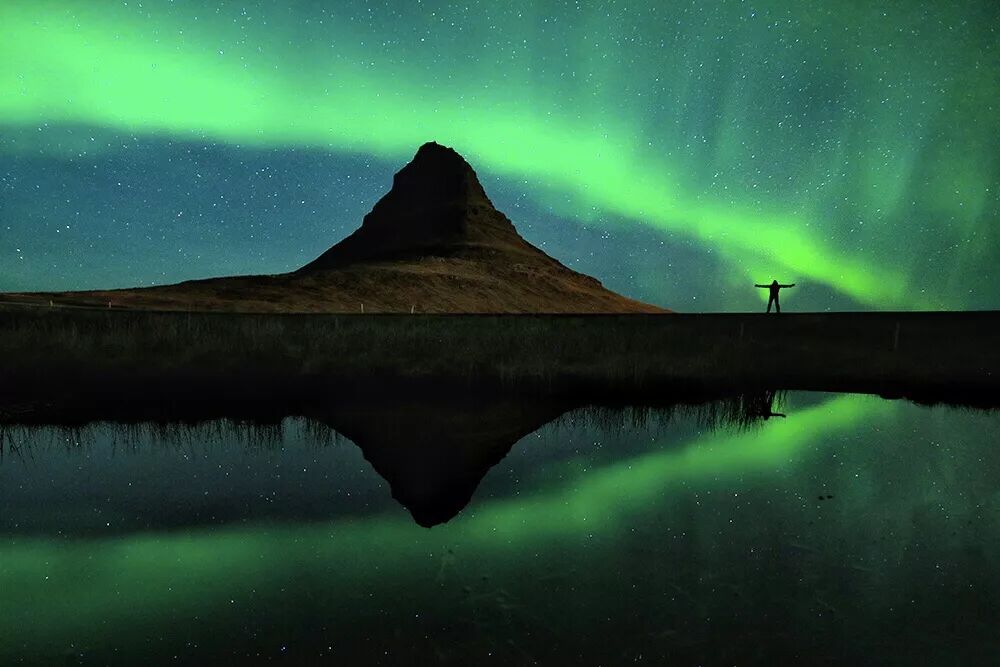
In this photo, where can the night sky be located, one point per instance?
(678, 151)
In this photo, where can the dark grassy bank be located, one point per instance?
(151, 357)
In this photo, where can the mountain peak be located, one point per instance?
(433, 148)
(433, 244)
(435, 207)
(436, 176)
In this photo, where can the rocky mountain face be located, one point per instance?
(433, 244)
(436, 207)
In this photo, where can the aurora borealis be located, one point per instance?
(679, 152)
(582, 533)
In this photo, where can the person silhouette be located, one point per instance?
(768, 406)
(775, 287)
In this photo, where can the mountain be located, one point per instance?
(434, 452)
(436, 208)
(433, 243)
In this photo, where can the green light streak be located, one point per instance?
(56, 588)
(603, 498)
(578, 145)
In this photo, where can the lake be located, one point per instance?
(852, 529)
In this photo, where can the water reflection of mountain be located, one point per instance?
(432, 451)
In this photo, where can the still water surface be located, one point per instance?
(853, 530)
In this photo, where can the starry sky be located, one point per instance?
(678, 151)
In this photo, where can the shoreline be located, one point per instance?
(134, 357)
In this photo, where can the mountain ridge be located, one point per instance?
(433, 243)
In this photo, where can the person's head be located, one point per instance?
(774, 282)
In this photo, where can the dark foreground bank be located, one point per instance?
(86, 356)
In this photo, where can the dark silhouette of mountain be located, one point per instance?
(432, 450)
(436, 207)
(433, 243)
(433, 453)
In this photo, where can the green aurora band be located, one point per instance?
(856, 149)
(133, 580)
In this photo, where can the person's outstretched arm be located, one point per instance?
(792, 285)
(764, 286)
